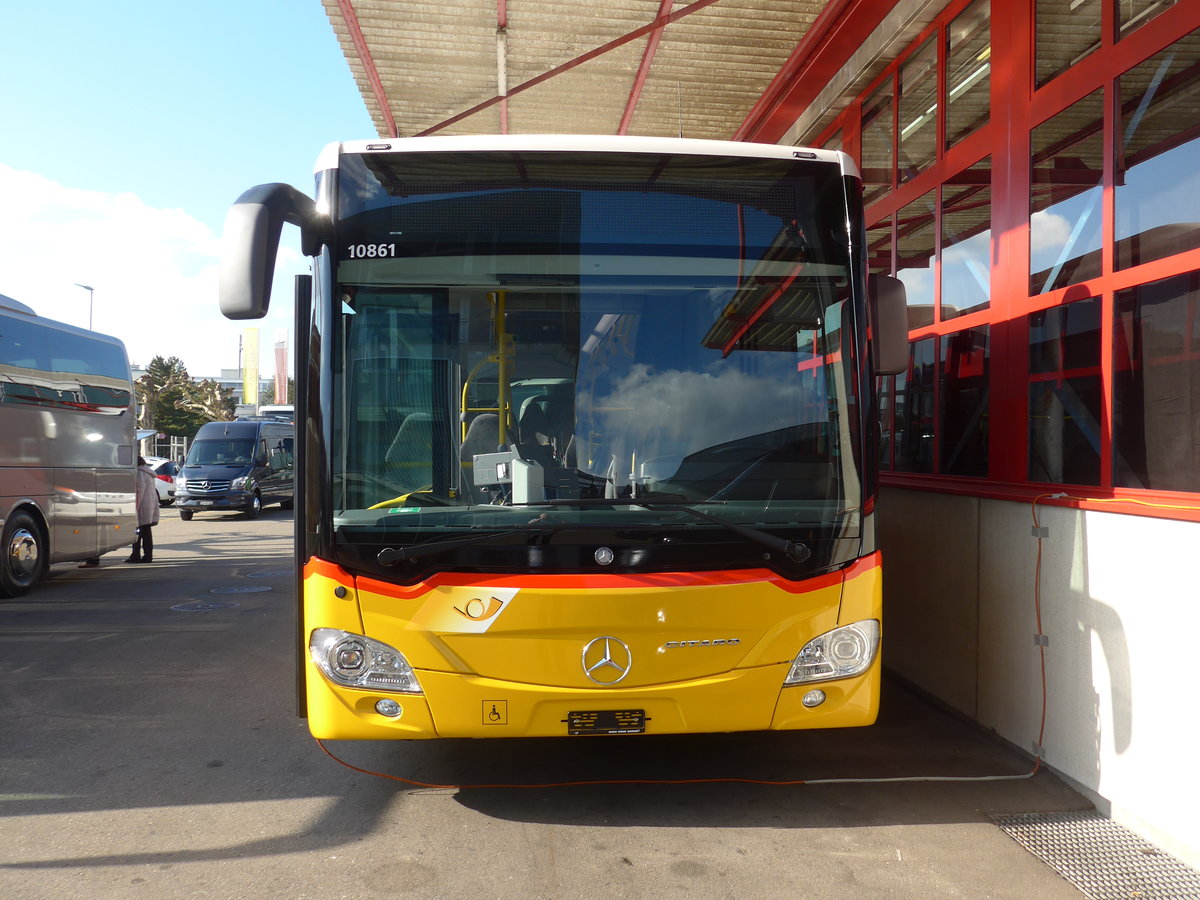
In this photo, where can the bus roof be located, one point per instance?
(9, 305)
(579, 143)
(15, 305)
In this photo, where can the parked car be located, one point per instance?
(242, 465)
(165, 471)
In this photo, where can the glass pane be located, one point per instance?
(1134, 13)
(967, 240)
(879, 262)
(963, 424)
(877, 163)
(1065, 212)
(968, 71)
(885, 392)
(879, 248)
(914, 257)
(1157, 177)
(1067, 31)
(1065, 394)
(1156, 400)
(914, 410)
(918, 111)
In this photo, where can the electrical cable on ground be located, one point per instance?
(608, 782)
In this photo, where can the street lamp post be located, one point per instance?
(91, 295)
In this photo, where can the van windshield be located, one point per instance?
(223, 452)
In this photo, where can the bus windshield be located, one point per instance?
(585, 341)
(226, 452)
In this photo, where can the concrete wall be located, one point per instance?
(1120, 603)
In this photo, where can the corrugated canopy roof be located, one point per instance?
(650, 67)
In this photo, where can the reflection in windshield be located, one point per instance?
(676, 338)
(221, 452)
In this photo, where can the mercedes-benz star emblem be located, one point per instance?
(606, 660)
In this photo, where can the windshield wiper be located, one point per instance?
(393, 555)
(793, 550)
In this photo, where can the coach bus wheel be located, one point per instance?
(254, 508)
(24, 555)
(186, 515)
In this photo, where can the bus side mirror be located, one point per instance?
(889, 324)
(251, 240)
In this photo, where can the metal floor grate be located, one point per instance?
(1103, 859)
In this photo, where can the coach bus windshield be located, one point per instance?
(575, 345)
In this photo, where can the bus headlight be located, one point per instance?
(356, 661)
(841, 653)
(245, 483)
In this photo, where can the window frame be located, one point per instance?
(1017, 107)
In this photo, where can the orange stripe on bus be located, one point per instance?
(856, 569)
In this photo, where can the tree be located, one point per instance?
(172, 403)
(210, 401)
(163, 376)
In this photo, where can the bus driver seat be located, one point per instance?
(483, 436)
(409, 460)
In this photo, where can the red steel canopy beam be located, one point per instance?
(639, 81)
(838, 32)
(346, 8)
(760, 311)
(658, 23)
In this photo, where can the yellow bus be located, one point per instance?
(586, 435)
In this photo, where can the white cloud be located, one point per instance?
(682, 412)
(154, 272)
(1048, 232)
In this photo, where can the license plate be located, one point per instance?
(206, 502)
(607, 721)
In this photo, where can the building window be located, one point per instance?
(877, 161)
(963, 403)
(915, 253)
(914, 399)
(885, 397)
(1065, 394)
(879, 248)
(1157, 145)
(966, 262)
(1065, 206)
(917, 111)
(1156, 397)
(1104, 367)
(1067, 31)
(1134, 13)
(968, 71)
(938, 408)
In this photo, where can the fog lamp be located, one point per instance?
(389, 708)
(813, 698)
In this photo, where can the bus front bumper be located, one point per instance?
(474, 707)
(228, 501)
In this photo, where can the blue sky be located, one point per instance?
(127, 129)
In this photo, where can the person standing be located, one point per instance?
(147, 514)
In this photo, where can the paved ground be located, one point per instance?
(147, 752)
